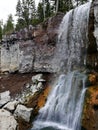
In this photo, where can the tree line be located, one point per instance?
(28, 14)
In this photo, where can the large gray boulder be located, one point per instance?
(23, 112)
(11, 105)
(4, 98)
(37, 78)
(7, 120)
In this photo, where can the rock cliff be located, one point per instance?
(90, 111)
(33, 50)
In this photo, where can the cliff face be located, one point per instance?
(35, 50)
(90, 111)
(32, 51)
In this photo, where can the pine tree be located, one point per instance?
(44, 10)
(0, 32)
(1, 23)
(8, 26)
(48, 9)
(40, 12)
(19, 9)
(26, 12)
(62, 5)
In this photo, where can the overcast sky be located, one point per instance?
(8, 7)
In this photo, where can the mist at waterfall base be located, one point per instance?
(63, 108)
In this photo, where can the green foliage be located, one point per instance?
(20, 24)
(26, 12)
(8, 26)
(44, 10)
(48, 9)
(0, 32)
(40, 12)
(1, 23)
(65, 5)
(62, 5)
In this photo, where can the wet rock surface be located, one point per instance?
(90, 111)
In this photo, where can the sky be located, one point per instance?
(8, 7)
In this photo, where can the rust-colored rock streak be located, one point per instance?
(90, 112)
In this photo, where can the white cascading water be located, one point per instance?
(63, 108)
(73, 39)
(64, 105)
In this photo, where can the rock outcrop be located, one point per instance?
(7, 120)
(23, 112)
(33, 50)
(90, 111)
(4, 98)
(17, 111)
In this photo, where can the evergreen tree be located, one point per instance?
(1, 23)
(48, 9)
(0, 32)
(26, 12)
(40, 12)
(8, 26)
(20, 24)
(62, 5)
(19, 9)
(44, 10)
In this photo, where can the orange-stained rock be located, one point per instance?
(90, 111)
(43, 97)
(92, 78)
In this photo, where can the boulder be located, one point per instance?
(7, 120)
(23, 112)
(11, 105)
(33, 88)
(4, 98)
(38, 78)
(39, 86)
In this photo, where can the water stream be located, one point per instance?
(63, 108)
(64, 105)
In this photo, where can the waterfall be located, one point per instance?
(64, 105)
(73, 39)
(63, 108)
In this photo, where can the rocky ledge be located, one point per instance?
(17, 111)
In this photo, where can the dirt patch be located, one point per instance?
(15, 83)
